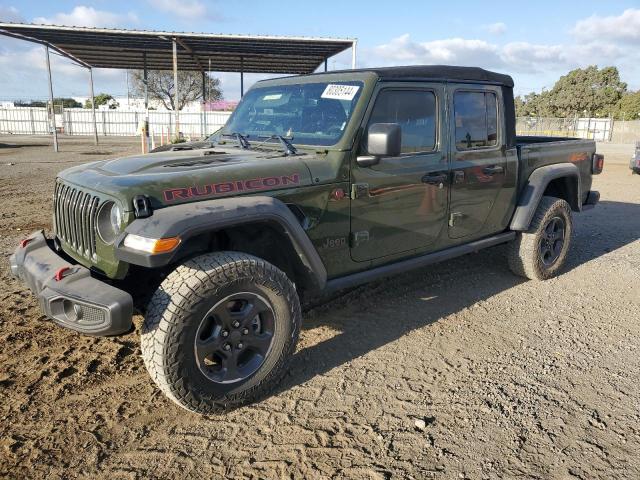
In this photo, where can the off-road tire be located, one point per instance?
(175, 313)
(524, 254)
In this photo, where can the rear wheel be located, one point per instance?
(219, 331)
(541, 251)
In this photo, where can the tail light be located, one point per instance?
(597, 163)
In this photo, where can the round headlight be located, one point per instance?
(109, 221)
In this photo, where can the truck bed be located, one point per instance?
(535, 152)
(529, 139)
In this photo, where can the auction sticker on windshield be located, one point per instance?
(340, 92)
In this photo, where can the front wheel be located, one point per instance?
(219, 331)
(541, 251)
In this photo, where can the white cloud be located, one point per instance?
(518, 56)
(625, 27)
(185, 9)
(513, 57)
(531, 58)
(82, 16)
(451, 51)
(497, 28)
(10, 14)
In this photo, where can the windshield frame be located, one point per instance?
(367, 82)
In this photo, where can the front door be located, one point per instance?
(399, 205)
(478, 157)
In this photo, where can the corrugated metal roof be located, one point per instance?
(120, 48)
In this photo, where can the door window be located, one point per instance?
(414, 111)
(476, 117)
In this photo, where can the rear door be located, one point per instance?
(478, 156)
(400, 204)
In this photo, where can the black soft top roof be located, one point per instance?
(436, 72)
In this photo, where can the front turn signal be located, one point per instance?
(151, 245)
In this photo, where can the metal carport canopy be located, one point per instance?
(127, 49)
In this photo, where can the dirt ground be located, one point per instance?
(511, 378)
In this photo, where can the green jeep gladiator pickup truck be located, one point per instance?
(316, 183)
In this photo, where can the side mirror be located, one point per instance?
(383, 140)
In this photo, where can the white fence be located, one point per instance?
(600, 129)
(76, 121)
(626, 131)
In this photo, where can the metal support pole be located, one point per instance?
(204, 104)
(145, 81)
(325, 65)
(241, 77)
(175, 87)
(354, 46)
(204, 87)
(93, 108)
(52, 118)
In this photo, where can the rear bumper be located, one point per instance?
(592, 200)
(74, 299)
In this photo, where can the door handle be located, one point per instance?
(493, 169)
(438, 179)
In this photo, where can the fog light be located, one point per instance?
(72, 311)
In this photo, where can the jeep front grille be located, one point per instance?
(75, 218)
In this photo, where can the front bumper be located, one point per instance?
(68, 293)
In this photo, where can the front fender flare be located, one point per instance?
(190, 219)
(534, 189)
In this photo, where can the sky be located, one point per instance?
(535, 42)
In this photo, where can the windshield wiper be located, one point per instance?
(242, 140)
(287, 146)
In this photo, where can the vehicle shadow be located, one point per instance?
(379, 313)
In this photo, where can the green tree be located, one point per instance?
(591, 90)
(103, 99)
(160, 87)
(30, 103)
(67, 102)
(520, 106)
(583, 91)
(535, 105)
(628, 107)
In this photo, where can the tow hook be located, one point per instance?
(61, 273)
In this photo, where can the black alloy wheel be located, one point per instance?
(234, 337)
(552, 241)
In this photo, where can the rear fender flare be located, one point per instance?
(191, 219)
(533, 191)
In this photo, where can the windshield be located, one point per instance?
(214, 136)
(306, 113)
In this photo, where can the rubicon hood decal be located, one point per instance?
(233, 186)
